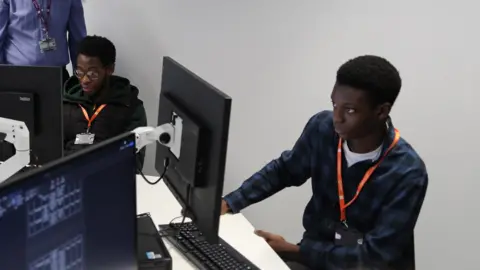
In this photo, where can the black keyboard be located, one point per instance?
(189, 240)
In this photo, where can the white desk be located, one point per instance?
(234, 229)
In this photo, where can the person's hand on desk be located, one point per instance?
(224, 208)
(277, 242)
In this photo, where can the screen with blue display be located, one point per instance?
(78, 214)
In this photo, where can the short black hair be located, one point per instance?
(100, 47)
(372, 74)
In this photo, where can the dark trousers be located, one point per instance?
(293, 260)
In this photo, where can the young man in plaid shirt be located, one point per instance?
(368, 183)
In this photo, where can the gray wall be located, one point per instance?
(278, 59)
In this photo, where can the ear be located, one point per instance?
(383, 111)
(110, 69)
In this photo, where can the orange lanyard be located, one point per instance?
(95, 114)
(341, 195)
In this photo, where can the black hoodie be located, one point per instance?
(123, 112)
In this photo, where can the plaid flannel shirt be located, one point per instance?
(385, 212)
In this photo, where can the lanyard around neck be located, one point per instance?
(95, 114)
(341, 195)
(43, 17)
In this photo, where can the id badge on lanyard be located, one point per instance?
(84, 139)
(47, 43)
(88, 137)
(345, 235)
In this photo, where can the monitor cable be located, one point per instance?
(184, 212)
(166, 163)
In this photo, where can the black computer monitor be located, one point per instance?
(196, 176)
(75, 213)
(34, 95)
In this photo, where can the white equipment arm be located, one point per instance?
(17, 134)
(165, 134)
(168, 135)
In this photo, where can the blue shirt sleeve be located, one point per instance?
(4, 17)
(77, 30)
(292, 168)
(386, 242)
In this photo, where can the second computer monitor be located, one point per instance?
(75, 213)
(196, 171)
(34, 95)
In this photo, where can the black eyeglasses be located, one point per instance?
(91, 75)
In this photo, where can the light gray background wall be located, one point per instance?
(278, 59)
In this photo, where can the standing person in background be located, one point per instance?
(34, 32)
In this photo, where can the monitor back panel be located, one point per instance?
(25, 107)
(44, 85)
(211, 109)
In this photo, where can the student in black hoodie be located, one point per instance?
(97, 104)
